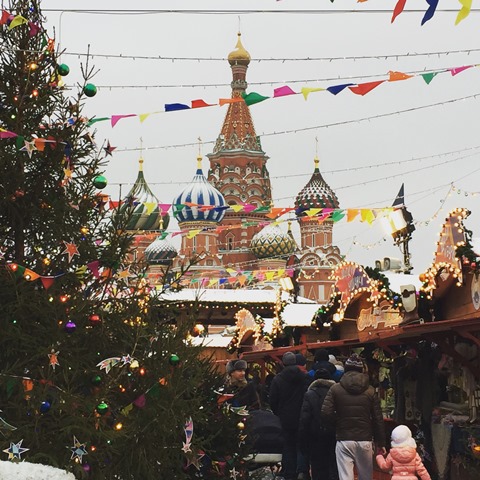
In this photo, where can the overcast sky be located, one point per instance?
(365, 162)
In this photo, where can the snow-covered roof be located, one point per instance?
(30, 471)
(227, 296)
(397, 280)
(299, 314)
(212, 340)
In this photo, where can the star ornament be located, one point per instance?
(71, 250)
(78, 450)
(109, 149)
(15, 450)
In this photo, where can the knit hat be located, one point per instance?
(322, 373)
(300, 359)
(355, 363)
(402, 437)
(321, 355)
(289, 359)
(233, 365)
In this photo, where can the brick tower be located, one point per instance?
(238, 169)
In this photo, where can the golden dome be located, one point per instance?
(239, 56)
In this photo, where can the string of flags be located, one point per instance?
(362, 89)
(463, 13)
(253, 97)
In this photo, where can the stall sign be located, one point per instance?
(377, 319)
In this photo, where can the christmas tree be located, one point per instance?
(96, 376)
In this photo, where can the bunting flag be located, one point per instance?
(395, 76)
(464, 11)
(18, 20)
(364, 88)
(307, 91)
(252, 98)
(201, 104)
(428, 77)
(398, 9)
(173, 107)
(432, 7)
(283, 92)
(116, 118)
(225, 101)
(336, 89)
(456, 71)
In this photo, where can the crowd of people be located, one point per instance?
(330, 425)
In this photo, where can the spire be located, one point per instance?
(316, 161)
(199, 156)
(238, 131)
(140, 160)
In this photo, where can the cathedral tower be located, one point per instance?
(238, 169)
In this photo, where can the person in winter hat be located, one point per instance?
(339, 370)
(354, 405)
(237, 390)
(316, 437)
(403, 459)
(286, 398)
(321, 361)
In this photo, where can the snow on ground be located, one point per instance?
(31, 471)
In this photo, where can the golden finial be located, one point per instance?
(199, 156)
(140, 160)
(239, 56)
(316, 160)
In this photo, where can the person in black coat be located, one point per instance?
(239, 391)
(316, 437)
(322, 360)
(286, 398)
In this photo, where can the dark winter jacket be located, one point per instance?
(244, 395)
(286, 395)
(312, 427)
(354, 406)
(328, 366)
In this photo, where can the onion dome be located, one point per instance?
(316, 193)
(271, 241)
(146, 212)
(202, 193)
(160, 252)
(239, 56)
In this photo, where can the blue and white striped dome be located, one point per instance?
(202, 193)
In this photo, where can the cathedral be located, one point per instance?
(223, 238)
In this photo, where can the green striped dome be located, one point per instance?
(272, 242)
(140, 198)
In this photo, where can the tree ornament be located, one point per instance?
(102, 408)
(63, 69)
(96, 380)
(70, 326)
(90, 90)
(100, 182)
(45, 407)
(174, 359)
(95, 319)
(240, 425)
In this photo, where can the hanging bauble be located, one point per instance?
(100, 182)
(96, 380)
(70, 326)
(63, 69)
(94, 319)
(174, 359)
(240, 425)
(86, 467)
(90, 90)
(102, 408)
(45, 407)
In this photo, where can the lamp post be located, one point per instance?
(401, 227)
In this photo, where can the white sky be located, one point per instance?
(391, 141)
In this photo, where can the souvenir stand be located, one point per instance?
(421, 345)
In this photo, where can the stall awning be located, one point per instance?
(441, 332)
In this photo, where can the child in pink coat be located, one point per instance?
(403, 459)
